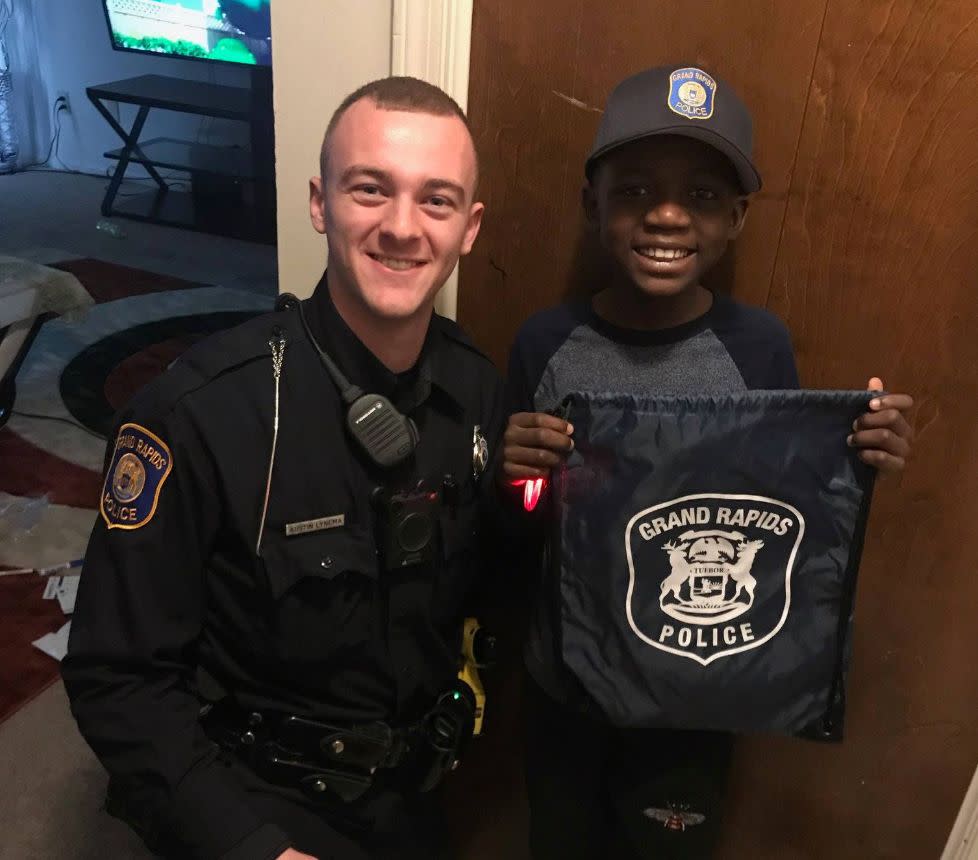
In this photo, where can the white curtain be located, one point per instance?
(25, 95)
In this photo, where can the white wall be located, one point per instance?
(323, 50)
(74, 51)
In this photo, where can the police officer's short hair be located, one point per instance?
(398, 93)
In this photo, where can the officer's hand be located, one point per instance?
(533, 444)
(883, 434)
(292, 854)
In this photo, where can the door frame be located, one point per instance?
(962, 844)
(431, 40)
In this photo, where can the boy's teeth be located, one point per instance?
(391, 263)
(665, 253)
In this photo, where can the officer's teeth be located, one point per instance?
(665, 253)
(399, 265)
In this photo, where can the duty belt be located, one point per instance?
(340, 762)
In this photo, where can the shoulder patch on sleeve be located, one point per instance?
(140, 466)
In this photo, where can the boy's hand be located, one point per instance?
(883, 433)
(533, 444)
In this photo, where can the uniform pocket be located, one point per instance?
(459, 525)
(322, 609)
(324, 556)
(461, 565)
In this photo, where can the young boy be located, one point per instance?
(667, 187)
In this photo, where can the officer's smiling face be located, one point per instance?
(666, 208)
(397, 207)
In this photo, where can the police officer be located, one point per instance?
(265, 647)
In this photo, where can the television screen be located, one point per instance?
(229, 31)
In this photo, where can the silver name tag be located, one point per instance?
(314, 525)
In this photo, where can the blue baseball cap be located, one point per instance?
(680, 100)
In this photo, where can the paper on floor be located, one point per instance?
(54, 644)
(67, 592)
(64, 589)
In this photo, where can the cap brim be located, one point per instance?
(750, 179)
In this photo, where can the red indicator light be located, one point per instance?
(532, 490)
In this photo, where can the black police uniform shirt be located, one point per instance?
(732, 347)
(312, 626)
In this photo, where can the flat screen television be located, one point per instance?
(225, 31)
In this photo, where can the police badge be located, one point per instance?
(480, 452)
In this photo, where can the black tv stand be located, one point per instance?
(232, 188)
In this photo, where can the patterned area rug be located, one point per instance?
(76, 375)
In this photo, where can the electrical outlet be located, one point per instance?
(62, 102)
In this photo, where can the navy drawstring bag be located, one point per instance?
(705, 551)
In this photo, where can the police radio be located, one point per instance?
(385, 435)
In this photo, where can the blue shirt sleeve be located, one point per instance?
(759, 344)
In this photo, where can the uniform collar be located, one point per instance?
(407, 390)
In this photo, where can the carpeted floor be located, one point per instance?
(53, 789)
(77, 374)
(24, 671)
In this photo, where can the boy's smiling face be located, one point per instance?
(666, 208)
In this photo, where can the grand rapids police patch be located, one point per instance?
(704, 557)
(710, 576)
(140, 466)
(691, 93)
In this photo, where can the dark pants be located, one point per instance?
(622, 794)
(386, 824)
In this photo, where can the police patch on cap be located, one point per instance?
(140, 465)
(691, 93)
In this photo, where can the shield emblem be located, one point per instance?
(691, 93)
(140, 466)
(710, 574)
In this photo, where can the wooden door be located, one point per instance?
(864, 241)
